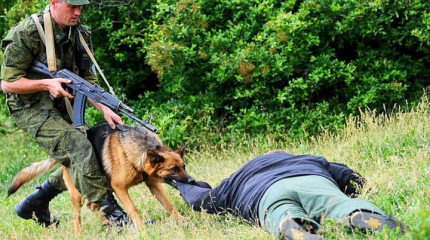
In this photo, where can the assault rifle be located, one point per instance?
(83, 89)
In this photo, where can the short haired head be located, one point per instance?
(75, 2)
(275, 151)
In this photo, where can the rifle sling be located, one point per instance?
(49, 41)
(39, 27)
(95, 62)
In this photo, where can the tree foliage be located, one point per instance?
(218, 69)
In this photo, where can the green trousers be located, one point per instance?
(54, 134)
(308, 198)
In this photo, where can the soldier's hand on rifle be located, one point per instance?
(56, 89)
(111, 117)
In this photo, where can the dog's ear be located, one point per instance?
(141, 165)
(153, 156)
(181, 150)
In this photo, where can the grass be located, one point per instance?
(390, 149)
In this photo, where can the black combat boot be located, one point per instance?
(36, 205)
(291, 230)
(114, 213)
(372, 221)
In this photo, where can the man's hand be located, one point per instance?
(56, 89)
(110, 117)
(175, 184)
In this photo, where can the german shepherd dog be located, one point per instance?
(128, 158)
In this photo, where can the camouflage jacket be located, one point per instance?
(23, 44)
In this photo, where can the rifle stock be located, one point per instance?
(83, 89)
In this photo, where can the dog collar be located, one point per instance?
(145, 176)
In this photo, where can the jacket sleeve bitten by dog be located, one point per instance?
(199, 198)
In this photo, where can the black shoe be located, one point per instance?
(36, 205)
(149, 222)
(114, 213)
(291, 230)
(372, 221)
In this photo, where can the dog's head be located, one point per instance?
(164, 164)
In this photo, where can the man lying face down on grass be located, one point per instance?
(289, 196)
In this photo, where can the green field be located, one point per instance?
(390, 149)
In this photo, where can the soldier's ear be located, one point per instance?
(153, 157)
(181, 150)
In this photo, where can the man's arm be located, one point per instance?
(110, 117)
(199, 198)
(26, 86)
(349, 181)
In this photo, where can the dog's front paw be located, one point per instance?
(178, 216)
(181, 218)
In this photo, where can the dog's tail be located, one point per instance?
(29, 173)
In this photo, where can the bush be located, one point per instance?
(288, 66)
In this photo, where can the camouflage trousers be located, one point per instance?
(54, 134)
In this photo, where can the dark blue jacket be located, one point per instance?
(240, 193)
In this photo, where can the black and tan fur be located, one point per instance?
(128, 158)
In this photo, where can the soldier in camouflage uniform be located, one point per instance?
(46, 120)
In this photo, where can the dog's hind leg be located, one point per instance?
(158, 191)
(94, 207)
(77, 200)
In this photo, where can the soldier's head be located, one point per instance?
(66, 12)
